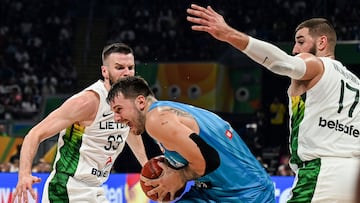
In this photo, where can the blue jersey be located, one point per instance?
(239, 178)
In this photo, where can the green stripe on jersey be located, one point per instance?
(306, 182)
(67, 164)
(298, 109)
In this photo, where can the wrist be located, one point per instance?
(238, 39)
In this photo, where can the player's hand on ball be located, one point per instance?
(165, 185)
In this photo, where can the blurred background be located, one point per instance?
(50, 50)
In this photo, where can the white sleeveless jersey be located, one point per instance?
(325, 121)
(87, 153)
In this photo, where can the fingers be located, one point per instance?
(161, 196)
(160, 193)
(36, 180)
(22, 196)
(25, 196)
(22, 189)
(197, 7)
(19, 196)
(200, 16)
(162, 165)
(32, 192)
(149, 182)
(197, 11)
(23, 193)
(145, 179)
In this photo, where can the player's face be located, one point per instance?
(126, 111)
(119, 66)
(304, 43)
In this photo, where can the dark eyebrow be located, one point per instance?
(298, 37)
(122, 65)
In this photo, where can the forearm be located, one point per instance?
(188, 174)
(28, 151)
(136, 145)
(266, 54)
(237, 39)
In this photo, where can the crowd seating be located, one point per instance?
(161, 33)
(35, 54)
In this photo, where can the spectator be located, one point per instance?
(3, 132)
(5, 167)
(28, 107)
(284, 167)
(14, 163)
(277, 135)
(42, 167)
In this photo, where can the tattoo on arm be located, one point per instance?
(178, 112)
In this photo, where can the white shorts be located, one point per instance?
(335, 183)
(78, 191)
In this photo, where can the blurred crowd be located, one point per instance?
(13, 164)
(161, 33)
(37, 39)
(35, 54)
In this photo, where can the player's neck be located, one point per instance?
(149, 100)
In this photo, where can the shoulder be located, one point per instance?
(158, 117)
(85, 99)
(314, 66)
(157, 114)
(311, 60)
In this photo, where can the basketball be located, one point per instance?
(152, 170)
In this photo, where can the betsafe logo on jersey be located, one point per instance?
(337, 126)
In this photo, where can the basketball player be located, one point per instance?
(89, 139)
(324, 108)
(197, 143)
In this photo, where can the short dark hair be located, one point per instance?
(318, 27)
(117, 47)
(130, 87)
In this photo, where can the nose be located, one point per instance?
(117, 118)
(295, 50)
(127, 72)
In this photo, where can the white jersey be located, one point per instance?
(325, 121)
(325, 137)
(87, 153)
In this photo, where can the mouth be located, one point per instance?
(129, 124)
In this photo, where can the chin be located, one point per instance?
(135, 131)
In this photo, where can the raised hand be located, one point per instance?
(208, 20)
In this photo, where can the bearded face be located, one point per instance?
(139, 123)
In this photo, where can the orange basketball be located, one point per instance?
(152, 170)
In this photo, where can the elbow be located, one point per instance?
(210, 155)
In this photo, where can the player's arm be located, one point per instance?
(136, 145)
(165, 127)
(182, 136)
(79, 108)
(173, 134)
(266, 54)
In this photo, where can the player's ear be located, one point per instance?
(104, 72)
(322, 42)
(140, 102)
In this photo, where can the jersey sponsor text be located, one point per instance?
(111, 125)
(337, 126)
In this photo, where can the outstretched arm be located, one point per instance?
(75, 109)
(266, 54)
